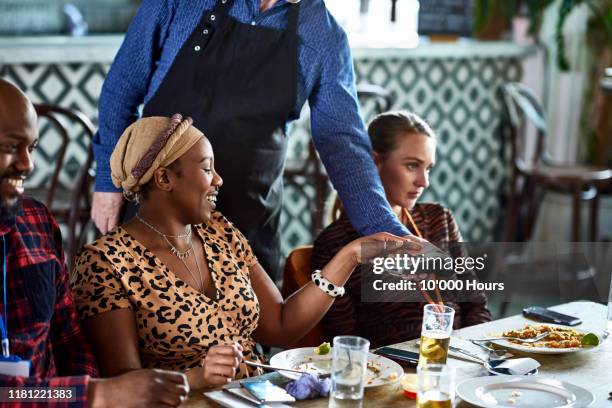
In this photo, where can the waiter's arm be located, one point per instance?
(127, 82)
(343, 144)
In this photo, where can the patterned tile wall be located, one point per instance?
(458, 97)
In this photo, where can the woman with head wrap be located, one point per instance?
(178, 286)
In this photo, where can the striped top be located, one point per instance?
(385, 323)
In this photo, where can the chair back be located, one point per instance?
(524, 111)
(297, 274)
(374, 99)
(72, 126)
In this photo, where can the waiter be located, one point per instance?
(243, 69)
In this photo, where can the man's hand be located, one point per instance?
(105, 209)
(141, 388)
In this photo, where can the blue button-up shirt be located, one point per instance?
(325, 79)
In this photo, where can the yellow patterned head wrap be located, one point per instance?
(148, 144)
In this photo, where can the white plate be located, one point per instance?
(305, 359)
(544, 350)
(528, 392)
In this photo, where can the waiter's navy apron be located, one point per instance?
(239, 83)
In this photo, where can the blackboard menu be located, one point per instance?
(446, 17)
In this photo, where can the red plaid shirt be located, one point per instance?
(42, 319)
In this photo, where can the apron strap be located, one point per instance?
(222, 7)
(294, 14)
(292, 29)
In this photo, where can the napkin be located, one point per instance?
(517, 366)
(308, 386)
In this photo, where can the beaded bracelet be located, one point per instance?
(326, 286)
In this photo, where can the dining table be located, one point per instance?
(589, 369)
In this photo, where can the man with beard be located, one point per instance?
(42, 344)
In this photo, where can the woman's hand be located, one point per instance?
(221, 363)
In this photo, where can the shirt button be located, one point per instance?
(253, 23)
(197, 48)
(212, 17)
(205, 31)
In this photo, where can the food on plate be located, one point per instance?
(323, 349)
(318, 364)
(374, 367)
(559, 337)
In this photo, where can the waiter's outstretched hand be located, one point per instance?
(105, 209)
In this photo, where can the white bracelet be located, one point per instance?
(326, 286)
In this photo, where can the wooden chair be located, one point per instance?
(296, 275)
(532, 176)
(301, 175)
(69, 204)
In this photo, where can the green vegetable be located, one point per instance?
(590, 339)
(323, 349)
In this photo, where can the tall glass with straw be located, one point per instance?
(435, 333)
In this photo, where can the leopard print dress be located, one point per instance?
(176, 324)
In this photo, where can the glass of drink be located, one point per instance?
(435, 386)
(348, 371)
(435, 334)
(608, 331)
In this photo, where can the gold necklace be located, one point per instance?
(180, 255)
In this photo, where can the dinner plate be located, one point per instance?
(519, 391)
(544, 350)
(381, 370)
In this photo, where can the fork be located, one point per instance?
(491, 351)
(269, 367)
(532, 340)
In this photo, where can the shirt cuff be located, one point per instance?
(104, 181)
(81, 389)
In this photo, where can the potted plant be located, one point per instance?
(600, 25)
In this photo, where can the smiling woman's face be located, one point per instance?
(405, 170)
(198, 184)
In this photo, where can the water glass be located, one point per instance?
(608, 331)
(435, 334)
(435, 386)
(348, 371)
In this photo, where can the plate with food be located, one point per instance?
(520, 391)
(317, 360)
(561, 339)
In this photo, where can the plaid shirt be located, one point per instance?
(42, 320)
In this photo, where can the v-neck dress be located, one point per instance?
(176, 324)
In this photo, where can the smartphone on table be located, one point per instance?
(544, 315)
(398, 355)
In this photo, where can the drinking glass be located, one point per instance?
(608, 331)
(435, 386)
(435, 333)
(348, 371)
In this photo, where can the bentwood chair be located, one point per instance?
(309, 172)
(296, 275)
(532, 176)
(69, 203)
